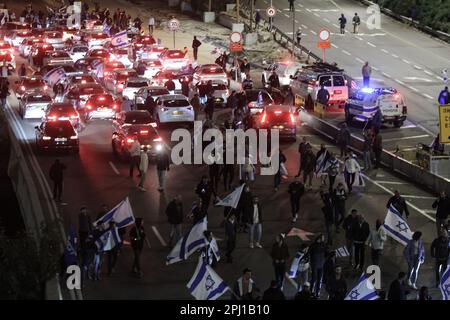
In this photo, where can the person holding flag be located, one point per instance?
(245, 288)
(210, 251)
(399, 204)
(206, 284)
(300, 267)
(415, 255)
(137, 237)
(363, 290)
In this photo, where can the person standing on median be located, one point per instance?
(195, 44)
(143, 167)
(291, 5)
(137, 237)
(57, 176)
(442, 206)
(162, 165)
(366, 72)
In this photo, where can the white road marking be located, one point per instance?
(399, 81)
(286, 15)
(334, 46)
(325, 10)
(371, 44)
(158, 235)
(407, 138)
(418, 79)
(316, 15)
(406, 61)
(413, 89)
(439, 78)
(427, 96)
(394, 55)
(419, 197)
(346, 52)
(313, 32)
(417, 67)
(296, 21)
(426, 130)
(385, 51)
(386, 75)
(359, 38)
(359, 60)
(390, 182)
(300, 5)
(409, 126)
(375, 68)
(428, 72)
(309, 10)
(304, 27)
(114, 168)
(291, 281)
(335, 25)
(265, 1)
(326, 20)
(429, 210)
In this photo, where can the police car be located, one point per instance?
(365, 103)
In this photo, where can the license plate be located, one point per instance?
(177, 113)
(60, 139)
(278, 127)
(337, 91)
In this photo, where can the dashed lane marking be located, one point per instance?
(413, 89)
(385, 51)
(390, 182)
(394, 55)
(114, 168)
(417, 67)
(375, 68)
(334, 46)
(359, 38)
(316, 14)
(158, 235)
(386, 75)
(346, 52)
(286, 15)
(427, 96)
(428, 72)
(399, 81)
(304, 26)
(359, 60)
(419, 197)
(407, 138)
(371, 44)
(326, 20)
(406, 61)
(313, 32)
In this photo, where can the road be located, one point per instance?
(400, 56)
(96, 177)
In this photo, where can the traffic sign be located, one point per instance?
(271, 11)
(323, 44)
(174, 24)
(236, 37)
(444, 123)
(324, 35)
(236, 47)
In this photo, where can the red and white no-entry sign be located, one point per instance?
(324, 35)
(271, 11)
(236, 37)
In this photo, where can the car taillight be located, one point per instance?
(337, 91)
(159, 139)
(164, 109)
(74, 116)
(277, 112)
(130, 141)
(45, 87)
(74, 137)
(22, 88)
(115, 106)
(263, 120)
(52, 117)
(89, 107)
(83, 81)
(143, 132)
(46, 138)
(292, 118)
(101, 99)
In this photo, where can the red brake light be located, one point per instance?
(263, 118)
(101, 99)
(115, 106)
(45, 87)
(22, 88)
(130, 141)
(89, 107)
(159, 139)
(292, 118)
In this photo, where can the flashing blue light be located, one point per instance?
(367, 90)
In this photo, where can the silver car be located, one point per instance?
(34, 106)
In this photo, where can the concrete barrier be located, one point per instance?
(410, 171)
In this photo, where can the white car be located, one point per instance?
(150, 53)
(18, 37)
(174, 108)
(25, 46)
(173, 60)
(121, 55)
(132, 86)
(97, 40)
(284, 70)
(78, 52)
(208, 72)
(152, 67)
(34, 106)
(55, 38)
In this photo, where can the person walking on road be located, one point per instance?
(302, 267)
(195, 103)
(57, 176)
(296, 190)
(279, 254)
(317, 253)
(397, 289)
(257, 19)
(301, 152)
(442, 206)
(366, 150)
(339, 199)
(332, 170)
(291, 5)
(415, 255)
(22, 70)
(230, 233)
(113, 253)
(255, 223)
(135, 154)
(356, 22)
(205, 190)
(366, 72)
(328, 212)
(351, 168)
(274, 292)
(344, 139)
(349, 226)
(308, 164)
(84, 226)
(245, 208)
(137, 237)
(4, 91)
(274, 80)
(323, 96)
(245, 288)
(143, 167)
(281, 170)
(399, 203)
(195, 44)
(376, 241)
(174, 212)
(162, 166)
(360, 236)
(440, 251)
(342, 22)
(151, 25)
(377, 147)
(336, 285)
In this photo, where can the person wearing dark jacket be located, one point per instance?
(210, 106)
(57, 176)
(317, 252)
(377, 147)
(174, 212)
(442, 206)
(137, 238)
(399, 203)
(305, 294)
(245, 288)
(349, 226)
(244, 207)
(274, 292)
(254, 219)
(329, 267)
(277, 176)
(280, 253)
(84, 226)
(440, 251)
(274, 81)
(296, 190)
(195, 44)
(397, 289)
(230, 233)
(162, 165)
(308, 166)
(323, 96)
(205, 190)
(328, 212)
(336, 285)
(199, 211)
(170, 85)
(339, 199)
(360, 236)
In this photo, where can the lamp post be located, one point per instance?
(238, 18)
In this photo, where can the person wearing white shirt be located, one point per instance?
(351, 168)
(143, 167)
(135, 154)
(255, 220)
(376, 240)
(151, 25)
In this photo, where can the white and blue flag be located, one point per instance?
(193, 240)
(396, 226)
(342, 252)
(206, 284)
(321, 163)
(120, 39)
(70, 251)
(295, 263)
(108, 240)
(363, 290)
(54, 76)
(122, 215)
(445, 284)
(232, 199)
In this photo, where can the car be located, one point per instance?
(57, 135)
(98, 53)
(173, 108)
(208, 72)
(142, 94)
(93, 26)
(77, 52)
(96, 39)
(101, 106)
(220, 93)
(365, 103)
(79, 94)
(55, 38)
(150, 52)
(34, 106)
(37, 53)
(121, 55)
(284, 70)
(75, 80)
(143, 41)
(115, 81)
(70, 33)
(87, 65)
(173, 59)
(58, 111)
(8, 28)
(106, 67)
(25, 46)
(258, 100)
(57, 58)
(307, 81)
(152, 67)
(131, 125)
(163, 76)
(69, 71)
(31, 84)
(132, 85)
(18, 36)
(281, 118)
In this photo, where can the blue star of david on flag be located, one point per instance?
(401, 226)
(209, 283)
(354, 295)
(396, 226)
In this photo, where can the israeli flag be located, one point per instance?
(108, 240)
(120, 39)
(294, 265)
(206, 284)
(122, 215)
(54, 76)
(232, 199)
(396, 226)
(321, 162)
(70, 251)
(445, 284)
(189, 243)
(342, 252)
(363, 290)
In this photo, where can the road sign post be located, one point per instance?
(324, 42)
(271, 12)
(174, 25)
(236, 42)
(444, 123)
